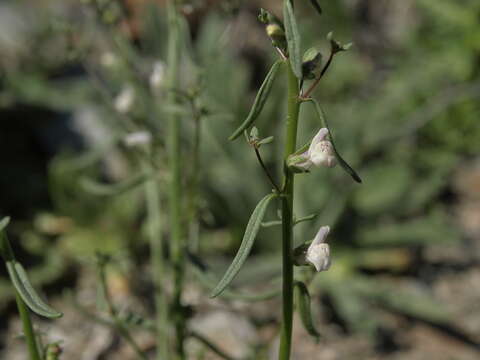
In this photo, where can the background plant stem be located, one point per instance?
(28, 329)
(154, 233)
(287, 216)
(175, 188)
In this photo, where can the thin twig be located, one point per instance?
(210, 345)
(122, 330)
(324, 70)
(270, 178)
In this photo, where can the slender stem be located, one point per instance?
(324, 70)
(156, 252)
(175, 188)
(287, 217)
(28, 329)
(211, 345)
(194, 226)
(262, 164)
(119, 326)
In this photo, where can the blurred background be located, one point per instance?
(403, 104)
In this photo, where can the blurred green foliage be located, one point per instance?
(403, 107)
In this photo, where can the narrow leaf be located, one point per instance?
(259, 102)
(248, 239)
(343, 163)
(293, 39)
(207, 280)
(302, 299)
(19, 278)
(316, 5)
(20, 281)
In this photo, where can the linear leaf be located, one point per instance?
(259, 102)
(293, 39)
(343, 163)
(302, 298)
(206, 279)
(248, 239)
(19, 278)
(20, 281)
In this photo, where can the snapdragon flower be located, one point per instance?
(320, 152)
(318, 253)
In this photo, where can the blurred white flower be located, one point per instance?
(124, 101)
(137, 138)
(320, 152)
(158, 75)
(318, 253)
(108, 59)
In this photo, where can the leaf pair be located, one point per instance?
(20, 280)
(251, 232)
(343, 163)
(260, 100)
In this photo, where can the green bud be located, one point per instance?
(336, 46)
(275, 29)
(311, 59)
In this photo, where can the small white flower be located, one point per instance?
(320, 152)
(137, 138)
(108, 59)
(318, 253)
(158, 75)
(124, 101)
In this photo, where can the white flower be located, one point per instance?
(108, 59)
(320, 152)
(158, 74)
(137, 138)
(124, 101)
(318, 253)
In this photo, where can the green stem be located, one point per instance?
(175, 188)
(287, 216)
(155, 236)
(28, 328)
(119, 326)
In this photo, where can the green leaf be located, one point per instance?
(206, 279)
(343, 163)
(316, 5)
(248, 239)
(293, 39)
(20, 281)
(302, 299)
(260, 100)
